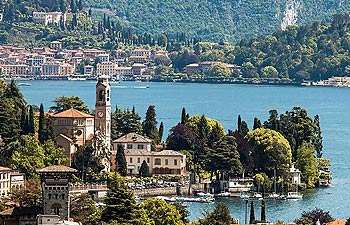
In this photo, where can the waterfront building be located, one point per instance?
(51, 68)
(103, 119)
(106, 68)
(138, 69)
(88, 70)
(123, 71)
(15, 70)
(9, 179)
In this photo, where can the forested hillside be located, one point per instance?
(214, 20)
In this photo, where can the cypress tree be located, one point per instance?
(24, 120)
(184, 116)
(161, 131)
(41, 131)
(239, 123)
(144, 169)
(31, 126)
(120, 161)
(120, 203)
(252, 214)
(257, 123)
(150, 124)
(263, 212)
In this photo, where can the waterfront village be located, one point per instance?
(73, 129)
(54, 62)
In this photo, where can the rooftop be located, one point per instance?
(21, 211)
(57, 169)
(4, 168)
(132, 137)
(167, 153)
(72, 113)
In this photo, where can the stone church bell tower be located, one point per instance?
(103, 120)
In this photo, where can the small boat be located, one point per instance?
(205, 195)
(76, 78)
(24, 84)
(244, 196)
(273, 195)
(294, 195)
(257, 196)
(224, 194)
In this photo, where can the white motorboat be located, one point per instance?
(294, 195)
(224, 194)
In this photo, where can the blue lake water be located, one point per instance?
(224, 102)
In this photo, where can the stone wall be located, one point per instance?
(182, 190)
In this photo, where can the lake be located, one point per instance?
(224, 102)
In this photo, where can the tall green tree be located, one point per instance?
(160, 212)
(311, 217)
(150, 124)
(161, 131)
(270, 151)
(120, 202)
(224, 158)
(31, 126)
(120, 161)
(41, 131)
(83, 209)
(63, 103)
(220, 216)
(144, 169)
(87, 163)
(184, 116)
(307, 164)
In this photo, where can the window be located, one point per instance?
(148, 160)
(139, 146)
(157, 161)
(138, 160)
(166, 162)
(130, 160)
(62, 196)
(175, 162)
(129, 146)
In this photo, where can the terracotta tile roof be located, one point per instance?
(337, 222)
(22, 211)
(4, 168)
(57, 169)
(136, 152)
(167, 153)
(90, 137)
(72, 113)
(132, 137)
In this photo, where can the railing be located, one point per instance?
(102, 186)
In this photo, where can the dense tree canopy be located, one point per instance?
(270, 151)
(160, 212)
(63, 103)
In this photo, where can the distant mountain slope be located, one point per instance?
(217, 20)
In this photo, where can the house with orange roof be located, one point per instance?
(73, 127)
